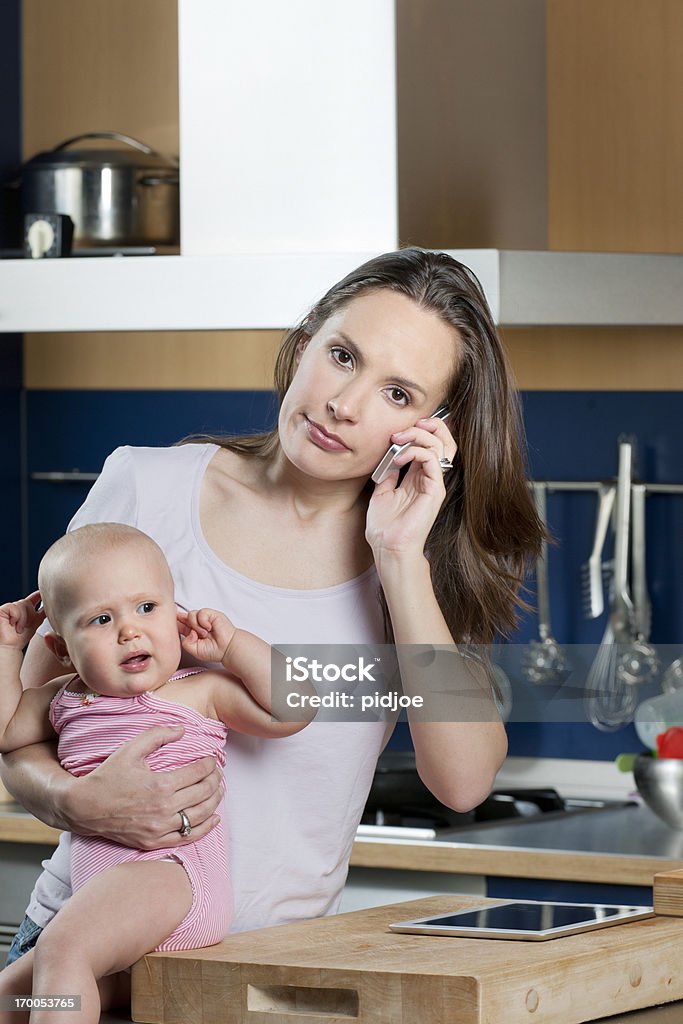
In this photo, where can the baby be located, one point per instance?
(108, 593)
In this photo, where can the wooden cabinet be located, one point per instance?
(534, 124)
(541, 124)
(527, 125)
(615, 133)
(93, 64)
(373, 887)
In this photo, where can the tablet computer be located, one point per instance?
(524, 919)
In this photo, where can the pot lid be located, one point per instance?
(132, 154)
(97, 158)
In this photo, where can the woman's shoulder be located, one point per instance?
(161, 475)
(163, 458)
(137, 482)
(143, 468)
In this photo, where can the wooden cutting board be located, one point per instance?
(350, 969)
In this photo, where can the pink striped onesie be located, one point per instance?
(91, 728)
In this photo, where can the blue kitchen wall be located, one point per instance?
(10, 117)
(93, 423)
(572, 436)
(10, 465)
(10, 344)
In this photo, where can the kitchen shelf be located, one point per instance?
(272, 290)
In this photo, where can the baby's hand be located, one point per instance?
(19, 620)
(205, 634)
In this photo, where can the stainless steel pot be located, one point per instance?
(114, 196)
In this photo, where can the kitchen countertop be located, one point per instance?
(626, 846)
(18, 826)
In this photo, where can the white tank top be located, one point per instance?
(293, 804)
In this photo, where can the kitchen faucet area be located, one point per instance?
(180, 183)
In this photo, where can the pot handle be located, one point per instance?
(108, 135)
(149, 180)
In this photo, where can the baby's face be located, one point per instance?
(118, 621)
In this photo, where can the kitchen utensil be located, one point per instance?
(610, 702)
(502, 692)
(544, 661)
(124, 196)
(593, 594)
(598, 702)
(639, 662)
(621, 610)
(660, 783)
(673, 677)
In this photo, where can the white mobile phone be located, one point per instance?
(387, 463)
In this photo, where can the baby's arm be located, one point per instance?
(210, 636)
(24, 714)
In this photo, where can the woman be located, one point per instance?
(286, 534)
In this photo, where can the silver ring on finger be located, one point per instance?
(185, 827)
(445, 463)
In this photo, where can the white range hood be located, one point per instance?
(272, 290)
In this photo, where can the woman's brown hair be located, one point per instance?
(487, 529)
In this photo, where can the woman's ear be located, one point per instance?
(55, 643)
(301, 347)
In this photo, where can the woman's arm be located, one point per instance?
(459, 753)
(122, 799)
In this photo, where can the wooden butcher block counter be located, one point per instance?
(350, 968)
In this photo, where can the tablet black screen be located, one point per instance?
(527, 917)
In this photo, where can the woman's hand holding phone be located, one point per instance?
(400, 517)
(388, 463)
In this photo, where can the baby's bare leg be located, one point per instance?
(16, 980)
(106, 926)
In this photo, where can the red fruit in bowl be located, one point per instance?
(670, 743)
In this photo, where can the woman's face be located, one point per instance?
(375, 367)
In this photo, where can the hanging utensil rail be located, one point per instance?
(595, 485)
(60, 477)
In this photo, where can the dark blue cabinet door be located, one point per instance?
(568, 892)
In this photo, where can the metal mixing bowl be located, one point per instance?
(660, 783)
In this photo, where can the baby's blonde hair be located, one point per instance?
(71, 552)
